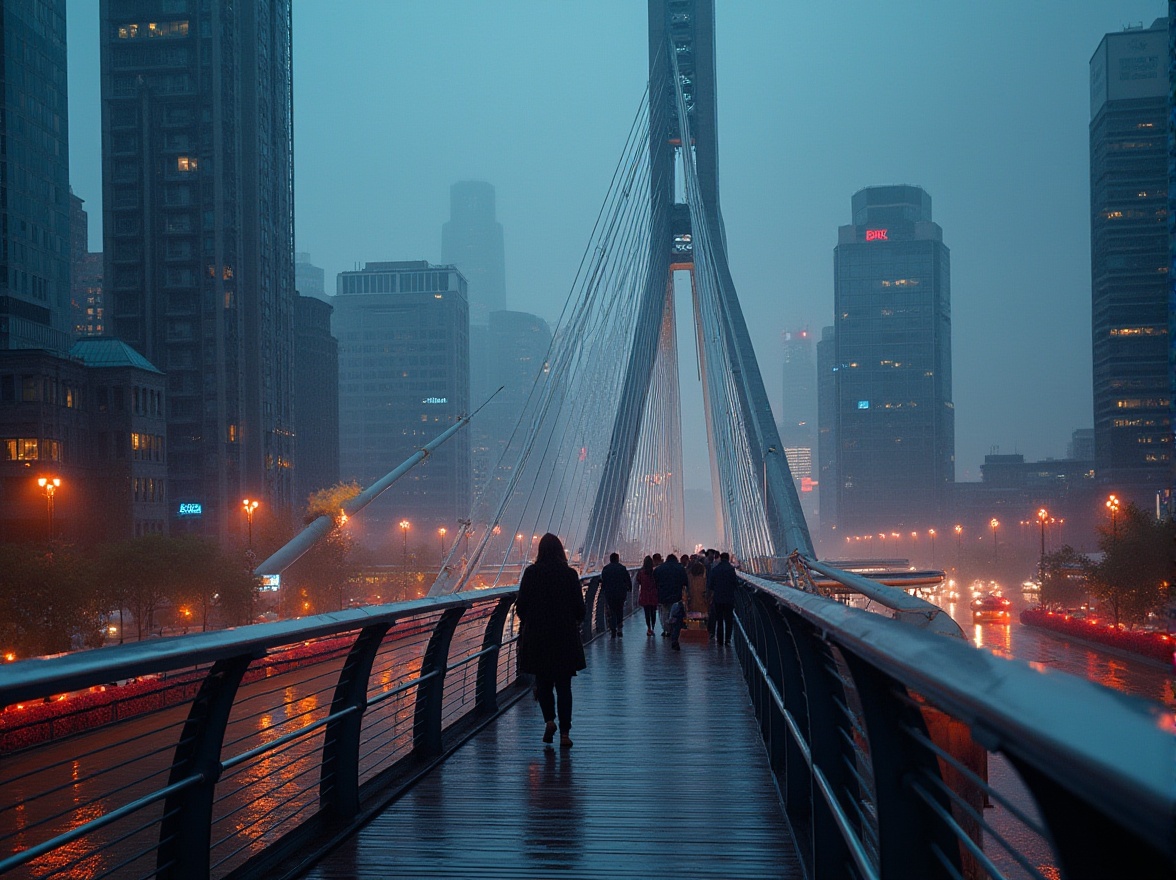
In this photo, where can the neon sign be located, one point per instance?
(191, 509)
(876, 235)
(435, 400)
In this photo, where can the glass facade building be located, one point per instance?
(1129, 250)
(472, 240)
(34, 177)
(404, 377)
(197, 180)
(894, 420)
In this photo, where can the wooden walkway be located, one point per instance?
(668, 778)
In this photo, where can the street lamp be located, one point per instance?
(249, 506)
(959, 530)
(1113, 507)
(931, 533)
(994, 523)
(519, 538)
(49, 485)
(441, 532)
(1042, 518)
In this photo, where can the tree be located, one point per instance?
(318, 581)
(1134, 576)
(1066, 572)
(48, 604)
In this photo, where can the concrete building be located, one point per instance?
(894, 419)
(1129, 256)
(404, 377)
(309, 279)
(197, 182)
(472, 241)
(34, 178)
(86, 305)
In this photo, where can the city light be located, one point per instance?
(441, 531)
(49, 485)
(249, 506)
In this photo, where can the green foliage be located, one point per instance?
(1065, 578)
(46, 604)
(1134, 577)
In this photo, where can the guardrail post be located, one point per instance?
(486, 688)
(907, 829)
(827, 749)
(770, 637)
(185, 834)
(339, 773)
(798, 787)
(592, 613)
(426, 726)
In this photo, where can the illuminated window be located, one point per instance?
(1139, 331)
(153, 29)
(232, 433)
(185, 163)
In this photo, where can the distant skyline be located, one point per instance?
(986, 108)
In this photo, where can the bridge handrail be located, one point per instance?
(1097, 762)
(352, 733)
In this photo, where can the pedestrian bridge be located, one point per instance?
(397, 740)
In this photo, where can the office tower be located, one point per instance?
(895, 425)
(1129, 253)
(34, 177)
(198, 237)
(472, 241)
(404, 377)
(316, 417)
(827, 436)
(798, 412)
(85, 298)
(309, 279)
(509, 353)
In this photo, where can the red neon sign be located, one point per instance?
(876, 235)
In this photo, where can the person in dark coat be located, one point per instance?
(671, 583)
(550, 607)
(722, 582)
(647, 594)
(616, 585)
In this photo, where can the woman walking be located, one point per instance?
(647, 594)
(550, 607)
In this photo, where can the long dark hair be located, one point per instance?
(647, 565)
(551, 551)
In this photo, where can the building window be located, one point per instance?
(185, 163)
(151, 30)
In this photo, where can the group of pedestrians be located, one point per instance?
(550, 609)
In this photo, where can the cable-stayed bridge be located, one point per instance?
(847, 737)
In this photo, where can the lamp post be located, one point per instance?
(931, 533)
(994, 523)
(1042, 518)
(49, 486)
(522, 558)
(959, 530)
(249, 507)
(1113, 507)
(441, 532)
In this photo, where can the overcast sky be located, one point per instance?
(985, 105)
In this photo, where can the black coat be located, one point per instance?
(550, 607)
(671, 581)
(616, 582)
(722, 582)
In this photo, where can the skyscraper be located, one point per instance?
(472, 240)
(316, 417)
(197, 185)
(404, 377)
(895, 422)
(1129, 258)
(827, 435)
(85, 298)
(34, 178)
(309, 279)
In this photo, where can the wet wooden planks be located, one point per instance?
(668, 777)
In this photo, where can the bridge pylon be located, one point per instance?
(755, 496)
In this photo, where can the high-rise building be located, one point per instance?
(509, 354)
(826, 435)
(1129, 253)
(316, 417)
(309, 279)
(85, 298)
(404, 377)
(197, 183)
(895, 424)
(34, 177)
(472, 241)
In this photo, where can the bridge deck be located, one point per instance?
(668, 777)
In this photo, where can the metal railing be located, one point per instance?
(877, 731)
(250, 748)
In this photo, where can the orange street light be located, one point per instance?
(441, 531)
(994, 523)
(1113, 507)
(249, 507)
(49, 486)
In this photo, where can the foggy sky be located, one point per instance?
(985, 106)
